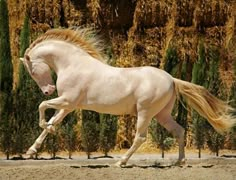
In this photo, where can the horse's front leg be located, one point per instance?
(58, 117)
(56, 120)
(57, 103)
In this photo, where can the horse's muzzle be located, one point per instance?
(49, 89)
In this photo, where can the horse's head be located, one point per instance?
(41, 74)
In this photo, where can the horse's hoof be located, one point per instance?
(180, 162)
(27, 156)
(120, 164)
(30, 153)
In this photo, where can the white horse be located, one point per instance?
(84, 81)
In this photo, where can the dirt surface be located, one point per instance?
(141, 167)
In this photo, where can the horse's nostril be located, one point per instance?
(46, 93)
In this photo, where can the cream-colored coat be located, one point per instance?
(87, 83)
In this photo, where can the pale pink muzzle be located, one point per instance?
(49, 89)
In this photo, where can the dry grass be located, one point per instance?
(144, 28)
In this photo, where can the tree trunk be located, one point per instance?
(70, 155)
(217, 152)
(199, 152)
(106, 153)
(8, 155)
(162, 153)
(88, 155)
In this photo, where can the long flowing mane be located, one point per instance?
(84, 38)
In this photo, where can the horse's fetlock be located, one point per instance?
(51, 129)
(143, 139)
(37, 144)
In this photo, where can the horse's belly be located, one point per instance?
(115, 109)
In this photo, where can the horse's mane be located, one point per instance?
(85, 38)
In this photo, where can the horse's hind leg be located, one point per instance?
(140, 138)
(166, 120)
(176, 130)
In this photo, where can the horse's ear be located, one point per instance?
(27, 57)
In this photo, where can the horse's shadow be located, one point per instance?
(102, 157)
(15, 158)
(99, 166)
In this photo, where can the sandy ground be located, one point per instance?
(141, 167)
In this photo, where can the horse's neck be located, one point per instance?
(60, 55)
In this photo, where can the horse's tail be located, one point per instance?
(217, 112)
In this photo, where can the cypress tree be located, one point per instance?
(108, 132)
(199, 67)
(233, 104)
(215, 140)
(24, 44)
(70, 134)
(28, 97)
(90, 131)
(6, 67)
(6, 81)
(52, 144)
(198, 77)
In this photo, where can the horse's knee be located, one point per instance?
(42, 106)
